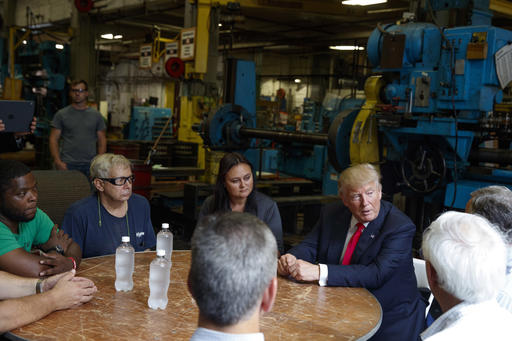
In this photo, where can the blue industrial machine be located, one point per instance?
(147, 123)
(438, 93)
(299, 153)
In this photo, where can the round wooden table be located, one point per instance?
(301, 311)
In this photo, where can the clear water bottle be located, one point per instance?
(159, 278)
(164, 241)
(124, 265)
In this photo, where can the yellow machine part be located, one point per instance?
(364, 145)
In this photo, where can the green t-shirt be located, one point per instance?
(34, 232)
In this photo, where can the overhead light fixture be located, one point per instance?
(118, 36)
(346, 47)
(297, 80)
(107, 36)
(59, 46)
(362, 2)
(24, 42)
(220, 24)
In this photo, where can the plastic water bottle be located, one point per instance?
(164, 241)
(124, 265)
(159, 278)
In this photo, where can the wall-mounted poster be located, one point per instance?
(145, 56)
(188, 43)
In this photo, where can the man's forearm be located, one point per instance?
(54, 149)
(18, 312)
(12, 286)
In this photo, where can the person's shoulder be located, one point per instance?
(394, 214)
(258, 196)
(83, 205)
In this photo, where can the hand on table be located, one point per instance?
(305, 271)
(57, 262)
(70, 291)
(284, 263)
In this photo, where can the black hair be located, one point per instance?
(11, 169)
(220, 194)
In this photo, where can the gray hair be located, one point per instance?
(103, 163)
(468, 254)
(497, 209)
(359, 175)
(234, 259)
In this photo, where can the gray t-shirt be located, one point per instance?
(78, 133)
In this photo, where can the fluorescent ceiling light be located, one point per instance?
(363, 2)
(346, 47)
(107, 36)
(118, 36)
(297, 80)
(59, 46)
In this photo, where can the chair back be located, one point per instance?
(58, 190)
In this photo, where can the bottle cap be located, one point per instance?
(125, 239)
(160, 252)
(165, 225)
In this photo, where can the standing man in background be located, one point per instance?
(82, 130)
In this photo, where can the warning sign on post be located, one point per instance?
(171, 50)
(188, 41)
(145, 56)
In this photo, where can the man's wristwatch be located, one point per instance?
(56, 248)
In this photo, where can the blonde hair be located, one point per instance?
(358, 175)
(103, 163)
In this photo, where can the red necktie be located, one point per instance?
(352, 244)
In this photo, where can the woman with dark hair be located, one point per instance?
(234, 191)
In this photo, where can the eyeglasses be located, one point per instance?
(120, 180)
(78, 90)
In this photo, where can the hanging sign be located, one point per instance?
(145, 56)
(171, 50)
(188, 41)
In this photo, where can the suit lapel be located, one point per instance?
(337, 240)
(369, 234)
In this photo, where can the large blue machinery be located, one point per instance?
(430, 118)
(438, 93)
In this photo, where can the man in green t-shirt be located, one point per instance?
(23, 226)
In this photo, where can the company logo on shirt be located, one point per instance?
(139, 234)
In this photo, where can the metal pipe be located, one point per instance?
(284, 136)
(502, 156)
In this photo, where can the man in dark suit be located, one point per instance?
(364, 242)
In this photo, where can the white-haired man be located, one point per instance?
(98, 222)
(495, 204)
(232, 276)
(465, 262)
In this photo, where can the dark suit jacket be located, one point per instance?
(8, 143)
(381, 262)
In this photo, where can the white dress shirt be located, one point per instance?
(203, 334)
(468, 322)
(324, 272)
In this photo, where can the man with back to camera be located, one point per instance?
(23, 225)
(364, 241)
(495, 204)
(465, 263)
(81, 129)
(98, 222)
(25, 300)
(232, 276)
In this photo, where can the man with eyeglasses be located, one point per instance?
(81, 131)
(98, 222)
